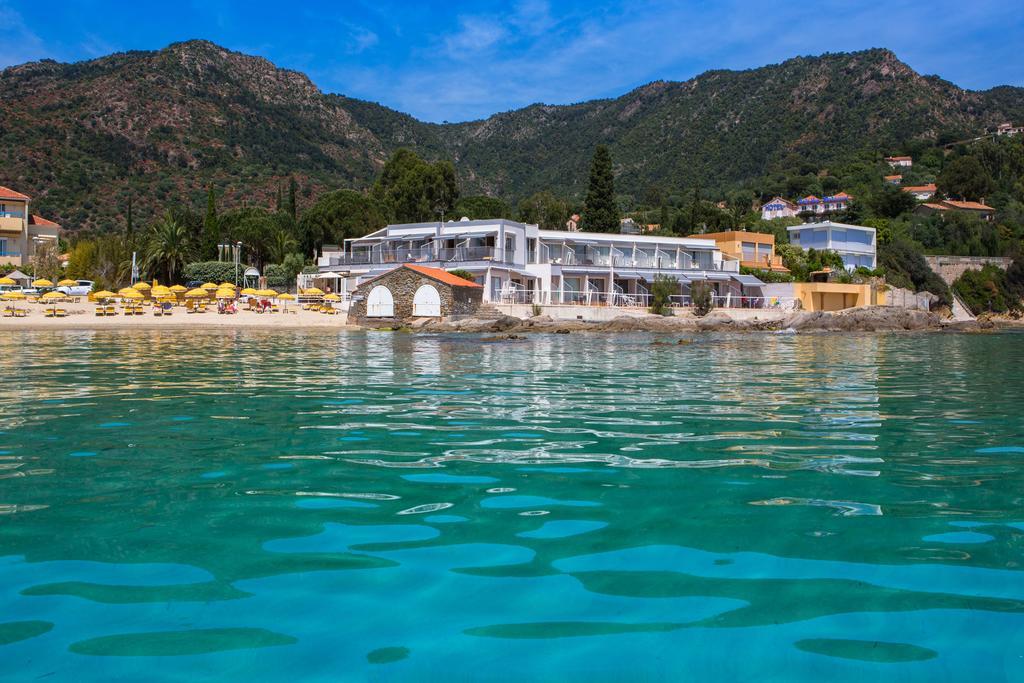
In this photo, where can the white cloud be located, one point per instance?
(20, 44)
(533, 52)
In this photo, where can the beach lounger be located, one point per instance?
(9, 312)
(20, 312)
(111, 310)
(61, 313)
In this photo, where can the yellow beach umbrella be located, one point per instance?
(129, 293)
(67, 283)
(227, 285)
(225, 294)
(50, 296)
(160, 290)
(178, 288)
(248, 291)
(314, 291)
(141, 286)
(286, 297)
(332, 297)
(211, 286)
(196, 293)
(42, 282)
(103, 294)
(7, 281)
(11, 296)
(270, 293)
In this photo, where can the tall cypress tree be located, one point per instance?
(211, 226)
(599, 211)
(291, 197)
(129, 229)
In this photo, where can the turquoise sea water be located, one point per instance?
(317, 506)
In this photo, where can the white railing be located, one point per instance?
(640, 299)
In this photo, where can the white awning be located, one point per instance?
(331, 275)
(468, 235)
(748, 280)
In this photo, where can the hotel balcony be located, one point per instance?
(418, 255)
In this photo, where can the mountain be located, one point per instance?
(164, 125)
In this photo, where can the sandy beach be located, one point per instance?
(83, 317)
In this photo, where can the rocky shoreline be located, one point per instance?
(867, 319)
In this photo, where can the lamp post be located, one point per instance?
(236, 252)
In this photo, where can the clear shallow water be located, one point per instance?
(281, 506)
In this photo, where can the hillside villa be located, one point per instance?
(892, 179)
(21, 232)
(779, 208)
(1009, 129)
(753, 249)
(814, 206)
(854, 243)
(921, 192)
(520, 263)
(900, 162)
(979, 209)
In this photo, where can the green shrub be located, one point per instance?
(766, 275)
(212, 271)
(663, 288)
(276, 276)
(464, 274)
(986, 291)
(702, 297)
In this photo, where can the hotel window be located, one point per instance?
(749, 251)
(3, 247)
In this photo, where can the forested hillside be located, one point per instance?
(162, 127)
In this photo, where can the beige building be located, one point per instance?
(751, 249)
(21, 232)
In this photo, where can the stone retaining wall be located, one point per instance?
(949, 268)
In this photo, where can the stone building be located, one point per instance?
(413, 291)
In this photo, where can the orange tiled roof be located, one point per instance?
(968, 206)
(8, 193)
(899, 158)
(442, 276)
(892, 177)
(937, 207)
(39, 220)
(930, 187)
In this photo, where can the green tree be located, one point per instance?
(482, 206)
(662, 289)
(292, 206)
(168, 247)
(702, 297)
(545, 210)
(337, 216)
(129, 227)
(891, 202)
(415, 190)
(211, 227)
(600, 213)
(965, 178)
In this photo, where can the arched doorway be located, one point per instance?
(427, 302)
(380, 303)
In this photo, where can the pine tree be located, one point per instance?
(292, 185)
(599, 211)
(129, 229)
(211, 226)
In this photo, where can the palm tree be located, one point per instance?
(280, 244)
(168, 247)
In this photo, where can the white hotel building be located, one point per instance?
(520, 263)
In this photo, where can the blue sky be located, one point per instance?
(458, 61)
